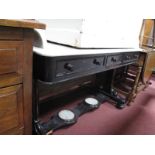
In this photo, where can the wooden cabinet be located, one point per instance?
(16, 43)
(15, 80)
(147, 43)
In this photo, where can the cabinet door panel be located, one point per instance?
(11, 57)
(11, 109)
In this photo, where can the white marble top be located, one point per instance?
(54, 50)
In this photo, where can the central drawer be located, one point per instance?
(67, 67)
(11, 109)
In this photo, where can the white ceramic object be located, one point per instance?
(64, 31)
(91, 101)
(66, 115)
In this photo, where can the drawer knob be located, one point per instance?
(96, 62)
(127, 57)
(68, 66)
(113, 59)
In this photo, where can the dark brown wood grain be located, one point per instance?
(16, 78)
(11, 113)
(11, 56)
(27, 80)
(10, 79)
(14, 33)
(14, 131)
